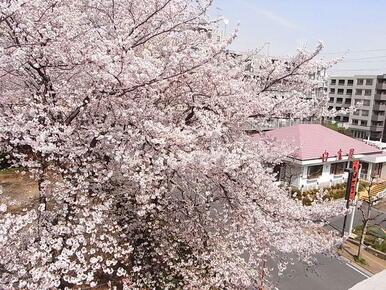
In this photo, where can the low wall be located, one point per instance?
(373, 251)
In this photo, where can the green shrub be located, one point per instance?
(360, 260)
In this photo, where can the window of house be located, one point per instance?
(345, 119)
(349, 92)
(331, 99)
(333, 82)
(367, 92)
(366, 102)
(369, 82)
(339, 100)
(364, 123)
(356, 112)
(340, 91)
(350, 82)
(377, 170)
(381, 113)
(358, 92)
(314, 172)
(338, 168)
(355, 121)
(341, 82)
(359, 82)
(347, 101)
(332, 91)
(365, 112)
(364, 170)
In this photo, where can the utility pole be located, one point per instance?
(347, 196)
(351, 192)
(354, 205)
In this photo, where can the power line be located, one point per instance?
(368, 57)
(354, 51)
(372, 69)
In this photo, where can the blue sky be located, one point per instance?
(358, 26)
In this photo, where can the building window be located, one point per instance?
(359, 82)
(377, 170)
(333, 82)
(369, 82)
(355, 121)
(366, 102)
(364, 170)
(363, 123)
(378, 102)
(347, 101)
(365, 113)
(340, 91)
(358, 92)
(339, 100)
(314, 172)
(367, 92)
(345, 119)
(338, 168)
(341, 82)
(377, 123)
(356, 112)
(350, 82)
(357, 101)
(338, 108)
(349, 92)
(332, 91)
(331, 99)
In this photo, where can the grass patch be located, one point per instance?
(360, 260)
(375, 237)
(9, 170)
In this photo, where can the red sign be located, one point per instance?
(325, 156)
(339, 155)
(351, 153)
(355, 177)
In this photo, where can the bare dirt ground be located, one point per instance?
(18, 191)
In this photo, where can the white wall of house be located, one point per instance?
(299, 173)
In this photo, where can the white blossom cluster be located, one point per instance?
(127, 114)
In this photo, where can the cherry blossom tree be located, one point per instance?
(128, 114)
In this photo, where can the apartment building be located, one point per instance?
(368, 94)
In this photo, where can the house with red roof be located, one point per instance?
(322, 155)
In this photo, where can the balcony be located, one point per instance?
(377, 117)
(376, 128)
(359, 127)
(380, 97)
(379, 107)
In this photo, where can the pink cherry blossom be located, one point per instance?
(129, 116)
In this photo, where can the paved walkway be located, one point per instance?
(375, 264)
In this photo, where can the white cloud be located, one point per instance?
(272, 16)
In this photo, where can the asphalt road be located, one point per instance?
(328, 274)
(337, 223)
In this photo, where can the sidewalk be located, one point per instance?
(374, 264)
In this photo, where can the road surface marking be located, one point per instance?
(356, 269)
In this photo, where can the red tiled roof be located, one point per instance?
(312, 140)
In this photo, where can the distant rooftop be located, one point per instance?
(312, 140)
